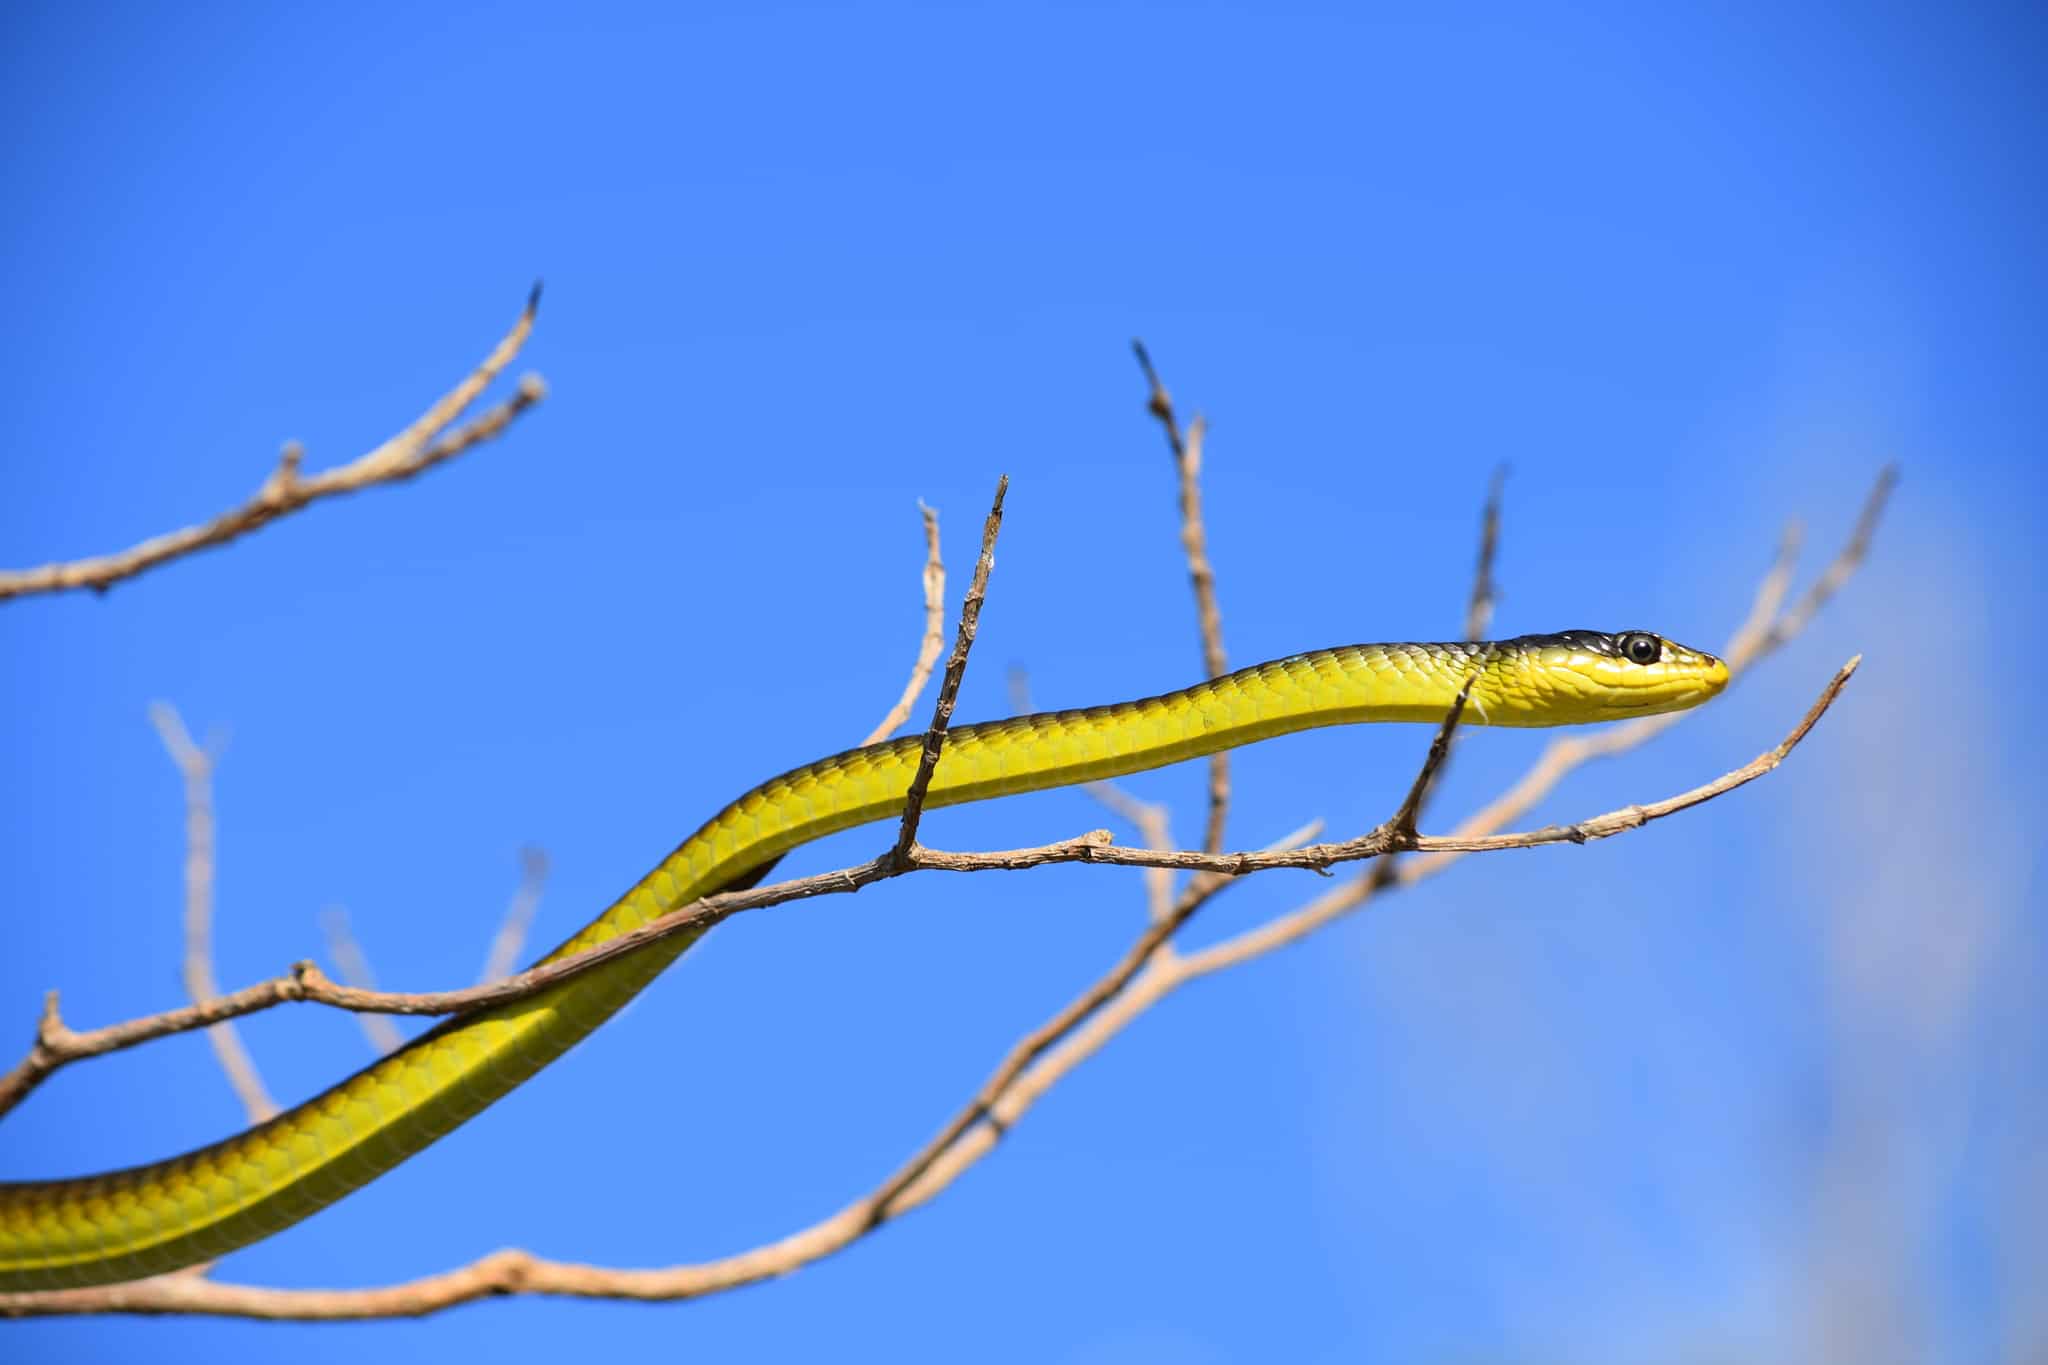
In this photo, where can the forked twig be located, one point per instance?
(411, 452)
(195, 764)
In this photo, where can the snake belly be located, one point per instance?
(170, 1214)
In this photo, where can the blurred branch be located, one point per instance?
(1479, 607)
(1846, 562)
(511, 935)
(196, 766)
(413, 451)
(354, 966)
(934, 632)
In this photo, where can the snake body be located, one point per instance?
(155, 1218)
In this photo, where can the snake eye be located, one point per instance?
(1640, 647)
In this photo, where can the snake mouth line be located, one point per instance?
(1668, 702)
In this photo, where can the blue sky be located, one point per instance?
(1760, 1082)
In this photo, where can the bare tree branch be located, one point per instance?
(1769, 598)
(994, 1106)
(1839, 569)
(949, 686)
(196, 765)
(413, 451)
(1145, 974)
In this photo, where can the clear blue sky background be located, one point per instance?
(1760, 1083)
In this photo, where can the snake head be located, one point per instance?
(1598, 675)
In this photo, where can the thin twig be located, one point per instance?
(1400, 830)
(1838, 570)
(1195, 541)
(1015, 1084)
(410, 452)
(511, 935)
(949, 686)
(1769, 598)
(1479, 607)
(196, 765)
(1158, 401)
(1298, 837)
(1194, 538)
(934, 638)
(354, 966)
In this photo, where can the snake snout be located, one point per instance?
(1713, 675)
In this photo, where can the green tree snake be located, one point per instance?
(155, 1218)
